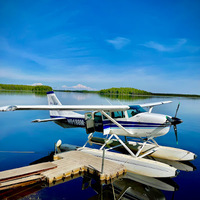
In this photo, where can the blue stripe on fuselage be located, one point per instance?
(130, 124)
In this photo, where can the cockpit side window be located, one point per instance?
(135, 110)
(118, 114)
(131, 112)
(108, 113)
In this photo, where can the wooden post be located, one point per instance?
(102, 166)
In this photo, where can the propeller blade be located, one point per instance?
(176, 134)
(177, 110)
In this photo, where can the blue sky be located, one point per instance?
(87, 44)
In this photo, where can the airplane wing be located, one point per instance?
(66, 107)
(106, 108)
(154, 104)
(151, 105)
(48, 120)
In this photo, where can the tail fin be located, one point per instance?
(53, 100)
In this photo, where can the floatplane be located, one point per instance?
(119, 121)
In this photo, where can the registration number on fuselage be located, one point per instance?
(76, 122)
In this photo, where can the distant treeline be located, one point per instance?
(38, 88)
(136, 92)
(176, 95)
(80, 91)
(124, 91)
(112, 91)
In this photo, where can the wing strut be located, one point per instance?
(121, 142)
(106, 142)
(124, 145)
(120, 126)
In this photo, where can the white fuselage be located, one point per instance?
(132, 122)
(141, 125)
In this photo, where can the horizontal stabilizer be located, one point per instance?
(7, 108)
(48, 120)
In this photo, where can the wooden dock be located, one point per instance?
(24, 175)
(74, 162)
(67, 164)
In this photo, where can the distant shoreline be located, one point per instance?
(25, 88)
(107, 94)
(111, 92)
(146, 95)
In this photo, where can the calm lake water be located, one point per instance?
(17, 133)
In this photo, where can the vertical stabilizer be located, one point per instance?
(53, 100)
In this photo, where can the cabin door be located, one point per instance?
(89, 122)
(98, 122)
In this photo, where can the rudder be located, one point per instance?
(52, 99)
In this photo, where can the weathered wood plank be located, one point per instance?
(21, 182)
(68, 164)
(75, 161)
(25, 171)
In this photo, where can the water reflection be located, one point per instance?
(21, 192)
(16, 133)
(80, 97)
(180, 165)
(124, 97)
(122, 188)
(128, 186)
(16, 92)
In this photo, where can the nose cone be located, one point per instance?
(176, 120)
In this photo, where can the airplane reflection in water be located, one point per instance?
(125, 187)
(128, 186)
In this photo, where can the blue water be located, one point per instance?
(17, 133)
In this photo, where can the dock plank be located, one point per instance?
(21, 180)
(25, 171)
(73, 162)
(68, 164)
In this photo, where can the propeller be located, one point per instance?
(176, 134)
(174, 121)
(177, 109)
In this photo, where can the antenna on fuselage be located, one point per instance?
(120, 102)
(109, 102)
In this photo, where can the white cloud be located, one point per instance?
(165, 48)
(119, 42)
(77, 87)
(156, 46)
(11, 73)
(153, 79)
(36, 84)
(46, 61)
(181, 42)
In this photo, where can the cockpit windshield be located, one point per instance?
(133, 110)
